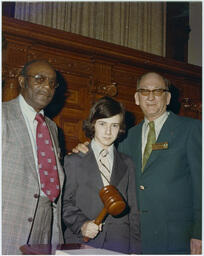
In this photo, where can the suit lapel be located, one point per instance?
(93, 170)
(119, 169)
(166, 135)
(54, 138)
(138, 148)
(23, 138)
(167, 131)
(53, 134)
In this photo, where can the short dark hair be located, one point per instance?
(104, 108)
(166, 81)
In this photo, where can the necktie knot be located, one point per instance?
(151, 125)
(103, 153)
(40, 118)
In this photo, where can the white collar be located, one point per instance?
(97, 148)
(27, 110)
(159, 120)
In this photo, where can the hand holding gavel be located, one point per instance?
(113, 204)
(90, 230)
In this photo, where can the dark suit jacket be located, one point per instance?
(81, 202)
(170, 199)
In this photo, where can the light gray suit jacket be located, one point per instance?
(19, 178)
(81, 202)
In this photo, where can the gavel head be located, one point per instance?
(112, 200)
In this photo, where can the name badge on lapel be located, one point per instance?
(159, 146)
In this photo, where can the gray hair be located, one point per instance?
(166, 81)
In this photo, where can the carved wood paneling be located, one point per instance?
(63, 60)
(90, 69)
(72, 130)
(10, 86)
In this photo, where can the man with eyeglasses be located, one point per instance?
(169, 179)
(30, 214)
(169, 185)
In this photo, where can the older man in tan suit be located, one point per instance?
(28, 214)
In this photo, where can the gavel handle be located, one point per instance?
(101, 216)
(98, 221)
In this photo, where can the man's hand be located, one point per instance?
(90, 229)
(196, 246)
(81, 147)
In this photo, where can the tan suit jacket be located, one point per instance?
(19, 179)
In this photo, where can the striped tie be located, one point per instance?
(104, 166)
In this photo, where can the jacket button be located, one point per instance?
(36, 196)
(30, 219)
(142, 187)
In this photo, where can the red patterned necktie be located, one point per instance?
(46, 160)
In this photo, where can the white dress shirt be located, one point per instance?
(97, 149)
(29, 115)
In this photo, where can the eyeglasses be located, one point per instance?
(40, 79)
(156, 92)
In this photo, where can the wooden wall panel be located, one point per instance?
(89, 69)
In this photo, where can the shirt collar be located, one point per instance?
(97, 149)
(27, 110)
(159, 120)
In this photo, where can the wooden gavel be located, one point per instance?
(113, 204)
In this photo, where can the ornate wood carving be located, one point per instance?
(90, 69)
(194, 105)
(104, 88)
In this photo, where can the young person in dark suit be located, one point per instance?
(169, 184)
(85, 178)
(29, 216)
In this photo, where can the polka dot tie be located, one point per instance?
(46, 160)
